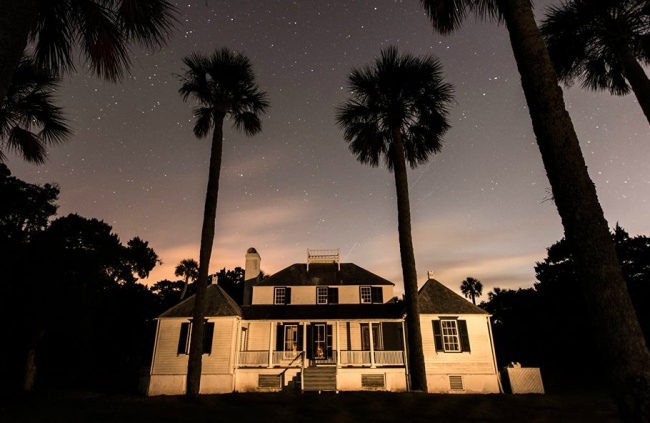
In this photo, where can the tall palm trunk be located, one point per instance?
(409, 272)
(207, 239)
(637, 78)
(16, 20)
(187, 282)
(619, 337)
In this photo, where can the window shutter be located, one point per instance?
(377, 294)
(208, 334)
(182, 339)
(279, 337)
(437, 336)
(299, 337)
(287, 295)
(464, 336)
(310, 341)
(332, 295)
(329, 341)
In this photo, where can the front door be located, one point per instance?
(320, 342)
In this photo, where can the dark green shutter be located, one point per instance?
(279, 337)
(299, 337)
(464, 336)
(310, 341)
(377, 294)
(182, 339)
(437, 336)
(287, 295)
(328, 339)
(208, 334)
(332, 295)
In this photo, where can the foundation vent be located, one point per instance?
(373, 381)
(456, 383)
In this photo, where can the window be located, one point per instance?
(290, 341)
(186, 335)
(282, 295)
(365, 293)
(450, 335)
(321, 295)
(371, 294)
(450, 341)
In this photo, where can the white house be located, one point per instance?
(324, 325)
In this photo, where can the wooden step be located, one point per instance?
(319, 379)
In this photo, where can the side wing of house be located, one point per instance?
(457, 343)
(171, 351)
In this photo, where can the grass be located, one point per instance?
(71, 407)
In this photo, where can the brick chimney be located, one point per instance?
(251, 274)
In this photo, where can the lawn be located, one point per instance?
(72, 407)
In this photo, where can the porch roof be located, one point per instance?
(219, 303)
(435, 298)
(323, 274)
(323, 312)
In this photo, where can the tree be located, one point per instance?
(472, 289)
(29, 120)
(398, 112)
(621, 343)
(188, 269)
(101, 30)
(223, 84)
(603, 43)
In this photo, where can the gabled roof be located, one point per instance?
(324, 311)
(435, 298)
(323, 274)
(219, 303)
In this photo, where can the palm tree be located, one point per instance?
(621, 343)
(101, 30)
(188, 269)
(223, 84)
(603, 43)
(398, 112)
(29, 120)
(471, 288)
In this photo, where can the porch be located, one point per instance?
(311, 344)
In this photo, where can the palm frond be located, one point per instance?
(448, 16)
(400, 93)
(150, 22)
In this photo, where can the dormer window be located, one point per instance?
(365, 294)
(321, 295)
(282, 295)
(371, 294)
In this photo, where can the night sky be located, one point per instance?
(480, 208)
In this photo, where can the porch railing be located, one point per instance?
(294, 358)
(288, 358)
(389, 358)
(253, 358)
(363, 358)
(358, 358)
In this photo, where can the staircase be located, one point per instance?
(319, 379)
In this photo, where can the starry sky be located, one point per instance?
(479, 208)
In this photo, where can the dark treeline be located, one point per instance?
(547, 326)
(74, 313)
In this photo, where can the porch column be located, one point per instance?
(338, 346)
(304, 344)
(372, 346)
(271, 338)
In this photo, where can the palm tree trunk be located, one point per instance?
(207, 238)
(409, 272)
(637, 78)
(619, 337)
(16, 20)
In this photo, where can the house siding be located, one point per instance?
(477, 366)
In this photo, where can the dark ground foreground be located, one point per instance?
(72, 407)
